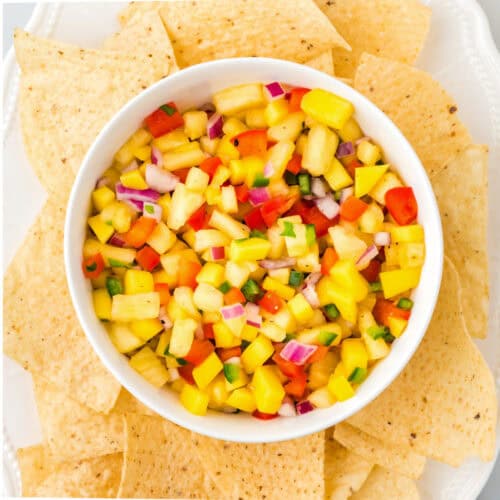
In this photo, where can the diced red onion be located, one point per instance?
(344, 149)
(160, 180)
(297, 352)
(382, 239)
(235, 360)
(268, 169)
(103, 181)
(253, 314)
(133, 166)
(259, 195)
(328, 206)
(218, 253)
(304, 407)
(198, 333)
(277, 263)
(117, 240)
(317, 187)
(361, 139)
(165, 320)
(156, 156)
(214, 126)
(134, 205)
(152, 211)
(287, 408)
(311, 296)
(233, 311)
(345, 193)
(274, 90)
(370, 253)
(173, 374)
(124, 193)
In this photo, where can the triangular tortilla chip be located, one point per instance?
(133, 8)
(395, 29)
(41, 330)
(205, 30)
(345, 471)
(443, 405)
(160, 462)
(126, 403)
(387, 485)
(461, 189)
(323, 62)
(396, 458)
(418, 105)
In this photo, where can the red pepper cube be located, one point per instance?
(165, 119)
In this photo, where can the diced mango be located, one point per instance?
(330, 292)
(209, 145)
(397, 326)
(372, 219)
(321, 398)
(351, 131)
(249, 249)
(336, 175)
(319, 150)
(212, 274)
(345, 274)
(183, 204)
(163, 343)
(146, 329)
(224, 337)
(217, 391)
(243, 399)
(407, 234)
(226, 150)
(249, 332)
(272, 285)
(233, 127)
(320, 371)
(280, 275)
(399, 281)
(136, 281)
(184, 296)
(368, 153)
(102, 197)
(276, 111)
(300, 308)
(102, 303)
(101, 229)
(353, 354)
(340, 388)
(194, 400)
(133, 179)
(170, 141)
(240, 381)
(256, 353)
(268, 391)
(206, 371)
(150, 367)
(366, 178)
(327, 108)
(256, 118)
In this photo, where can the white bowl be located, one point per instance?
(195, 86)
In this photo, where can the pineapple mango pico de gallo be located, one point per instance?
(256, 254)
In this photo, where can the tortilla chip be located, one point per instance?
(345, 471)
(126, 403)
(396, 458)
(41, 331)
(35, 466)
(73, 431)
(461, 190)
(58, 127)
(156, 46)
(323, 62)
(160, 462)
(395, 29)
(133, 8)
(205, 30)
(443, 405)
(387, 485)
(290, 469)
(418, 105)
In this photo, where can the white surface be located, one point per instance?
(460, 54)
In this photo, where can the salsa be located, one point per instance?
(255, 254)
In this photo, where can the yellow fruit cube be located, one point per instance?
(256, 118)
(163, 343)
(319, 150)
(178, 385)
(336, 175)
(195, 124)
(136, 281)
(300, 308)
(411, 255)
(366, 178)
(276, 111)
(241, 379)
(102, 303)
(226, 150)
(368, 153)
(209, 145)
(132, 307)
(187, 155)
(249, 332)
(278, 157)
(233, 127)
(232, 100)
(350, 132)
(194, 400)
(320, 371)
(321, 398)
(224, 336)
(340, 388)
(372, 219)
(140, 137)
(407, 234)
(150, 367)
(287, 129)
(273, 331)
(123, 339)
(243, 399)
(212, 274)
(228, 225)
(217, 391)
(399, 281)
(327, 108)
(392, 254)
(272, 285)
(133, 179)
(345, 275)
(101, 229)
(146, 329)
(388, 181)
(207, 298)
(170, 141)
(197, 180)
(249, 249)
(124, 155)
(206, 371)
(353, 354)
(182, 336)
(102, 197)
(142, 153)
(268, 391)
(397, 326)
(256, 353)
(164, 202)
(329, 292)
(280, 275)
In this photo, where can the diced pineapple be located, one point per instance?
(226, 150)
(133, 179)
(348, 246)
(175, 311)
(194, 400)
(124, 156)
(272, 285)
(197, 180)
(249, 332)
(288, 129)
(268, 391)
(327, 108)
(183, 204)
(208, 298)
(228, 201)
(132, 307)
(206, 371)
(123, 338)
(278, 157)
(411, 255)
(102, 197)
(256, 118)
(256, 353)
(309, 262)
(240, 380)
(228, 225)
(366, 178)
(170, 141)
(100, 281)
(407, 234)
(161, 239)
(321, 398)
(300, 144)
(150, 367)
(184, 296)
(300, 308)
(182, 337)
(320, 371)
(208, 238)
(119, 215)
(146, 329)
(101, 229)
(217, 392)
(319, 150)
(224, 337)
(388, 181)
(277, 242)
(351, 131)
(368, 153)
(249, 250)
(187, 155)
(189, 237)
(272, 331)
(163, 343)
(276, 111)
(345, 274)
(195, 123)
(392, 254)
(283, 318)
(102, 303)
(209, 145)
(164, 202)
(253, 166)
(340, 388)
(236, 273)
(142, 153)
(232, 100)
(296, 245)
(212, 274)
(397, 326)
(372, 219)
(233, 127)
(280, 275)
(136, 281)
(140, 137)
(318, 319)
(336, 175)
(243, 399)
(330, 293)
(399, 281)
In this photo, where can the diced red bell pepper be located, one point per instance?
(384, 309)
(295, 164)
(186, 372)
(402, 205)
(147, 258)
(210, 165)
(140, 231)
(242, 193)
(92, 266)
(371, 272)
(254, 220)
(318, 354)
(228, 353)
(352, 209)
(311, 214)
(251, 142)
(271, 302)
(234, 296)
(188, 270)
(208, 331)
(352, 166)
(296, 96)
(272, 209)
(264, 416)
(328, 260)
(182, 173)
(164, 291)
(296, 386)
(200, 350)
(199, 220)
(165, 119)
(288, 368)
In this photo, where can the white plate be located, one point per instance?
(459, 52)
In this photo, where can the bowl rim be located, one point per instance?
(300, 429)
